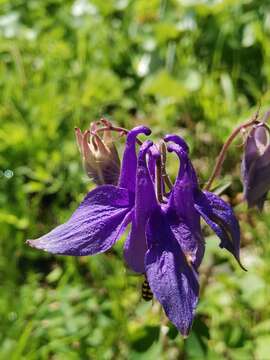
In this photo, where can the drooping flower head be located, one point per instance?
(165, 241)
(256, 165)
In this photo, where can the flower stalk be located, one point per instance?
(108, 126)
(223, 152)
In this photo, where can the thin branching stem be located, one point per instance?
(109, 127)
(223, 152)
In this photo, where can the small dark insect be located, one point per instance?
(147, 294)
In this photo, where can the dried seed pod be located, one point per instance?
(99, 155)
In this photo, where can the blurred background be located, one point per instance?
(195, 67)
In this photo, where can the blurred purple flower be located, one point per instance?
(165, 241)
(256, 166)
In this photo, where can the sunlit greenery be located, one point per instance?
(195, 67)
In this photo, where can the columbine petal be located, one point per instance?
(183, 217)
(172, 280)
(220, 217)
(177, 140)
(94, 227)
(145, 203)
(129, 164)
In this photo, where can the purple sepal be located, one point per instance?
(220, 217)
(172, 280)
(94, 227)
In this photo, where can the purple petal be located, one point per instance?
(94, 227)
(177, 140)
(152, 154)
(183, 217)
(145, 203)
(220, 217)
(129, 164)
(172, 280)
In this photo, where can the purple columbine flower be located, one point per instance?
(256, 165)
(165, 241)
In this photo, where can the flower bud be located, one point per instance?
(99, 155)
(256, 166)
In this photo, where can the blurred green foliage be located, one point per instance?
(196, 67)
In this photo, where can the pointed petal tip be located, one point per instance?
(35, 244)
(185, 330)
(241, 265)
(31, 242)
(237, 258)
